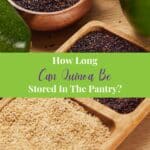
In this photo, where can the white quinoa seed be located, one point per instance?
(50, 124)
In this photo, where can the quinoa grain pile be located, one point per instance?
(104, 41)
(121, 105)
(43, 124)
(45, 5)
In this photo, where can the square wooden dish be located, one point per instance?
(97, 26)
(121, 125)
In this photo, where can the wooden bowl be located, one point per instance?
(49, 21)
(97, 26)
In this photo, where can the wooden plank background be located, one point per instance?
(108, 11)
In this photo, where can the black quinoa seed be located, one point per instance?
(45, 5)
(121, 105)
(104, 41)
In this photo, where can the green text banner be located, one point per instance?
(75, 75)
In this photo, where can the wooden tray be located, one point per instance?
(121, 124)
(97, 26)
(124, 124)
(4, 102)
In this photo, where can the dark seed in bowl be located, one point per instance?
(121, 105)
(104, 41)
(46, 5)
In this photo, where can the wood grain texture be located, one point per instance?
(108, 11)
(139, 139)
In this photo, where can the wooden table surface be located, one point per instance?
(108, 11)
